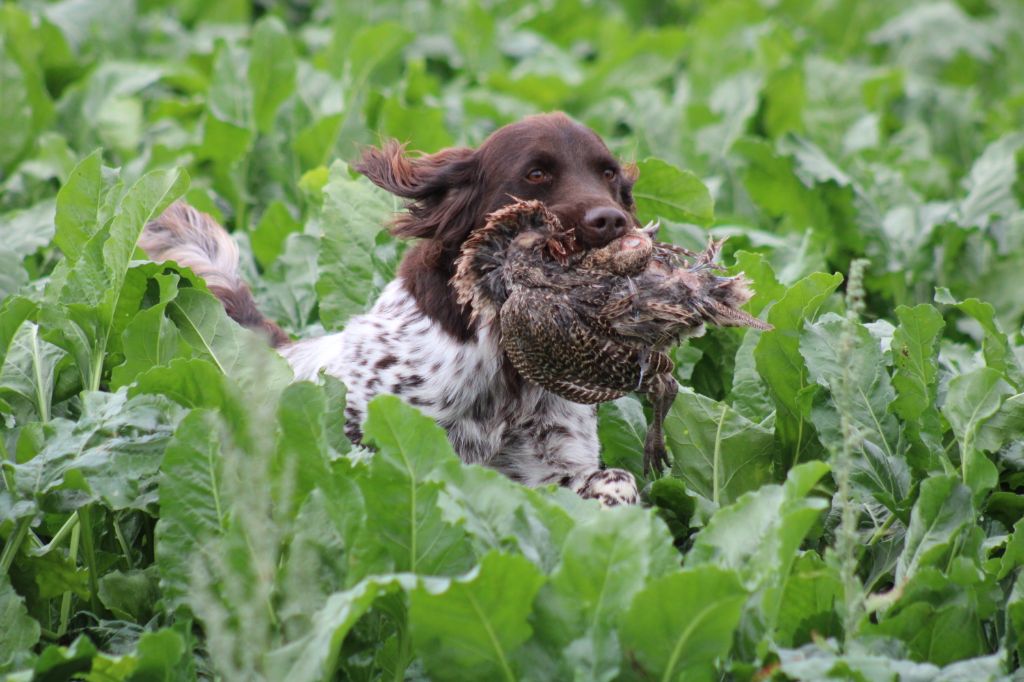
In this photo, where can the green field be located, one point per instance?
(847, 494)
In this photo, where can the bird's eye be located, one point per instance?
(536, 175)
(609, 174)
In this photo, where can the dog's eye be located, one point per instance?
(536, 175)
(609, 174)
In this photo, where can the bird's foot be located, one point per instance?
(655, 454)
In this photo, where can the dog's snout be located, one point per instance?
(603, 224)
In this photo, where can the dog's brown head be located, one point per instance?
(548, 157)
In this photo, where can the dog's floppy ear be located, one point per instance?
(443, 189)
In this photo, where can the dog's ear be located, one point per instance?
(443, 189)
(418, 177)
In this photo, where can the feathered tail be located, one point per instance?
(195, 240)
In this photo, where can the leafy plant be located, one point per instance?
(845, 497)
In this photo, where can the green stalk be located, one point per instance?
(59, 536)
(65, 601)
(124, 545)
(13, 543)
(89, 550)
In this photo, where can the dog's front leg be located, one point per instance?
(558, 444)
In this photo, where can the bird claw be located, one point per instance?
(655, 455)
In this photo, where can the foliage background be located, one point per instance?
(844, 497)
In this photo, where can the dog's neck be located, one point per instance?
(426, 274)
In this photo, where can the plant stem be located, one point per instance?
(124, 545)
(65, 601)
(59, 536)
(89, 550)
(13, 543)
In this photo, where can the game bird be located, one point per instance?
(593, 325)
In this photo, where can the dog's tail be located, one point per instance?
(194, 239)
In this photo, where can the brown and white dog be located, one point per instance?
(417, 342)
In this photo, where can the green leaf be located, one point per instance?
(809, 602)
(130, 596)
(111, 454)
(780, 364)
(622, 428)
(971, 400)
(314, 655)
(680, 624)
(844, 357)
(192, 507)
(942, 511)
(20, 632)
(29, 369)
(16, 109)
(913, 350)
(79, 202)
(402, 488)
(228, 130)
(604, 563)
(472, 626)
(151, 339)
(664, 191)
(349, 279)
(271, 70)
(758, 536)
(268, 237)
(940, 620)
(716, 451)
(995, 345)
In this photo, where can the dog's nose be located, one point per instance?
(604, 224)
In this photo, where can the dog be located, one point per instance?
(417, 341)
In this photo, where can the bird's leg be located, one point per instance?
(661, 391)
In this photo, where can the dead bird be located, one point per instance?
(593, 325)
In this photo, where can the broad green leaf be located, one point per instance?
(680, 624)
(16, 109)
(809, 600)
(939, 620)
(192, 506)
(664, 191)
(758, 537)
(471, 627)
(942, 511)
(914, 355)
(716, 451)
(29, 370)
(20, 632)
(349, 279)
(151, 339)
(301, 462)
(314, 656)
(913, 349)
(111, 454)
(781, 366)
(1004, 427)
(229, 124)
(269, 235)
(271, 70)
(130, 596)
(402, 487)
(995, 345)
(843, 357)
(78, 206)
(990, 184)
(622, 428)
(604, 563)
(971, 400)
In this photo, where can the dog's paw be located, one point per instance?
(610, 487)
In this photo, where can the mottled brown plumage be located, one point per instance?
(593, 325)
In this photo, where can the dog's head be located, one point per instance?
(548, 157)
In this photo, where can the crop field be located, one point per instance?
(846, 497)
